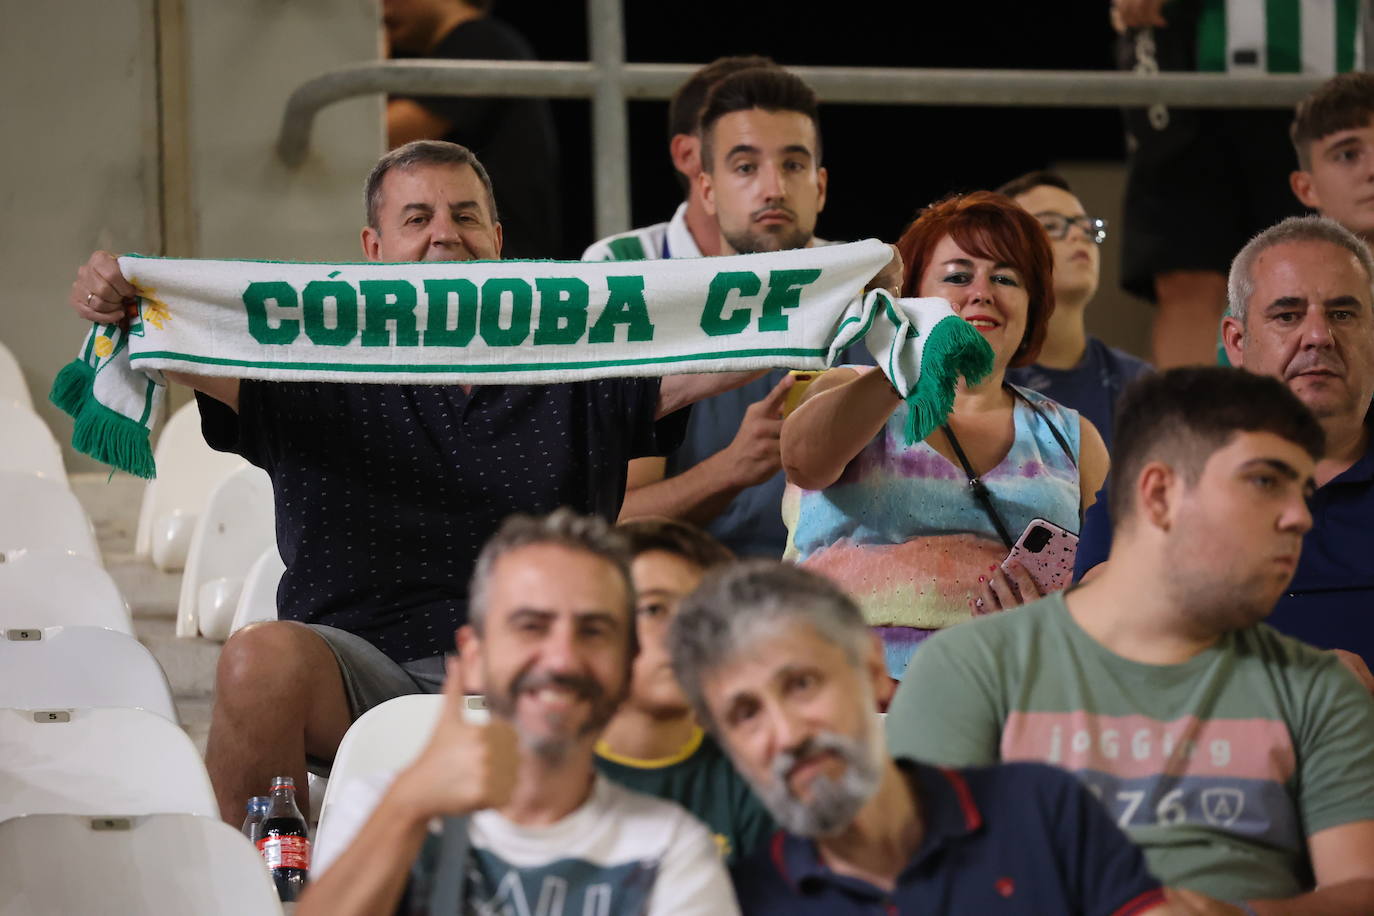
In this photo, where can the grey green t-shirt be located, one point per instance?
(1218, 768)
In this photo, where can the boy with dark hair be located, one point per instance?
(1075, 369)
(654, 744)
(1239, 759)
(1333, 135)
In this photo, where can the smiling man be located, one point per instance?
(781, 666)
(526, 824)
(1241, 761)
(1302, 311)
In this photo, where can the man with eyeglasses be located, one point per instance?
(1075, 369)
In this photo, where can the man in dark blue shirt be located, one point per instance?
(1301, 310)
(783, 670)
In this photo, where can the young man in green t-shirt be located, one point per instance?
(654, 744)
(1241, 761)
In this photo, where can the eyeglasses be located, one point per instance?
(1057, 226)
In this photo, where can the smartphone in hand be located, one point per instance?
(1046, 551)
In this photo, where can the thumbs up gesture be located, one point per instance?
(465, 767)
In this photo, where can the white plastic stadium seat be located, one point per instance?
(81, 667)
(12, 385)
(187, 472)
(385, 738)
(44, 589)
(159, 864)
(41, 514)
(233, 530)
(98, 762)
(258, 598)
(26, 443)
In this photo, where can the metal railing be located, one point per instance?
(610, 82)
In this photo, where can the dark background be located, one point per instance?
(885, 162)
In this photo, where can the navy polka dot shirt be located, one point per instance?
(385, 494)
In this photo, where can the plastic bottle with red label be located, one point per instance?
(284, 841)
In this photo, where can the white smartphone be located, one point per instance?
(1046, 551)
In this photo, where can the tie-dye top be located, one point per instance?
(901, 531)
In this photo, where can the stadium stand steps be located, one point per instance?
(112, 502)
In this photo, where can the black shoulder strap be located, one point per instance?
(451, 869)
(979, 489)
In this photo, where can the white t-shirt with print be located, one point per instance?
(620, 852)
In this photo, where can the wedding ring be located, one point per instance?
(88, 299)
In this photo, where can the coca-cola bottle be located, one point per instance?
(284, 842)
(257, 810)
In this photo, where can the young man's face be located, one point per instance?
(1235, 535)
(764, 184)
(1309, 324)
(797, 715)
(1339, 181)
(554, 646)
(662, 580)
(433, 213)
(1076, 256)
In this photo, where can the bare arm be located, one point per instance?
(407, 120)
(371, 874)
(702, 492)
(677, 391)
(1343, 863)
(101, 293)
(842, 412)
(1093, 462)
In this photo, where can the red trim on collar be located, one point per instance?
(1145, 901)
(775, 850)
(973, 819)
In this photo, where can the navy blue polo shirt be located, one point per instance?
(385, 494)
(1330, 602)
(1014, 838)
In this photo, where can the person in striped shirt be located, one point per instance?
(1201, 182)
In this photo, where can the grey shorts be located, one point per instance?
(371, 678)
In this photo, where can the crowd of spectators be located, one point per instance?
(691, 596)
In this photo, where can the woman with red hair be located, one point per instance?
(917, 533)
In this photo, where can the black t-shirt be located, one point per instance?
(514, 138)
(385, 494)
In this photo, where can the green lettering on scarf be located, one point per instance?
(388, 302)
(521, 302)
(345, 312)
(784, 292)
(438, 332)
(562, 310)
(255, 299)
(624, 305)
(713, 319)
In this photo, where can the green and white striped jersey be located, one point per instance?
(1317, 37)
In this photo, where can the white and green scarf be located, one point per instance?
(503, 322)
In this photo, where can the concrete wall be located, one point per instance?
(78, 166)
(148, 125)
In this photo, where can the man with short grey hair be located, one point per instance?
(1302, 310)
(784, 671)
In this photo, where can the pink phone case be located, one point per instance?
(1051, 566)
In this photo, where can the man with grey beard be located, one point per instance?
(781, 667)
